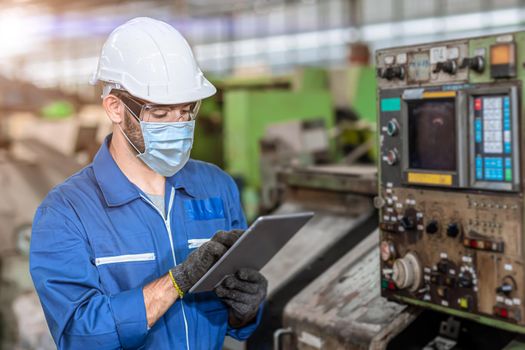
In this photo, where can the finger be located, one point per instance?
(243, 310)
(242, 286)
(237, 296)
(227, 238)
(250, 275)
(221, 291)
(211, 251)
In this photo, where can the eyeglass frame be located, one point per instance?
(142, 106)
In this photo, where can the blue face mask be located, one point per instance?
(167, 145)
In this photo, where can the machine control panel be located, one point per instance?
(451, 191)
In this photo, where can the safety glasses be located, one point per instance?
(149, 112)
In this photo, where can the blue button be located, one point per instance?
(479, 162)
(494, 174)
(477, 124)
(491, 162)
(479, 174)
(506, 102)
(506, 125)
(508, 148)
(508, 163)
(479, 137)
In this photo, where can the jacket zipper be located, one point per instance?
(167, 224)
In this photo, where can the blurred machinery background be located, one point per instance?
(294, 122)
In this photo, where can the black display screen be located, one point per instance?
(432, 134)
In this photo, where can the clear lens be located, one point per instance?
(160, 113)
(170, 113)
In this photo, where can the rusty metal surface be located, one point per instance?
(324, 230)
(350, 179)
(343, 309)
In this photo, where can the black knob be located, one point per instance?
(390, 73)
(476, 63)
(465, 281)
(443, 266)
(505, 288)
(408, 223)
(449, 67)
(432, 227)
(453, 230)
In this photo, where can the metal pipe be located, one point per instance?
(277, 336)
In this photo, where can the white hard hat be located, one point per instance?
(152, 61)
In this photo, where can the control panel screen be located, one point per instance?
(432, 134)
(493, 138)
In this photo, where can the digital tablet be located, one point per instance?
(257, 245)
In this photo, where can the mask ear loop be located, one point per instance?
(126, 136)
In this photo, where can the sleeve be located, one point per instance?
(79, 314)
(245, 332)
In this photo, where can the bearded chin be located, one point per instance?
(134, 133)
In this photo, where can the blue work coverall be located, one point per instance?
(97, 240)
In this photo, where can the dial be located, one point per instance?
(391, 157)
(407, 272)
(392, 127)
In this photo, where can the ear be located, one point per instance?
(114, 107)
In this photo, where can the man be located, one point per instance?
(116, 247)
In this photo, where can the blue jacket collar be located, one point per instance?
(116, 187)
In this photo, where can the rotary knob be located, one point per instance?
(392, 127)
(453, 229)
(391, 157)
(432, 227)
(408, 223)
(407, 272)
(476, 63)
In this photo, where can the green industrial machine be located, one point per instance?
(232, 124)
(353, 88)
(209, 138)
(251, 107)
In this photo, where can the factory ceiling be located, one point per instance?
(179, 7)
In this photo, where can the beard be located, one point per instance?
(133, 132)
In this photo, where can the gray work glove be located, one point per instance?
(187, 273)
(243, 292)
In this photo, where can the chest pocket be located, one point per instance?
(125, 262)
(203, 217)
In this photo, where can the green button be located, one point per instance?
(508, 174)
(390, 104)
(384, 284)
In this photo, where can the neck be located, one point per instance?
(135, 170)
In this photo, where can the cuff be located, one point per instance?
(245, 332)
(129, 313)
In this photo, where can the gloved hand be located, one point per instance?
(243, 292)
(202, 259)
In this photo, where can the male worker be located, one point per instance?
(116, 247)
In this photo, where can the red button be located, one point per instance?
(477, 104)
(391, 285)
(504, 313)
